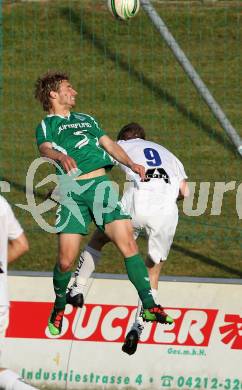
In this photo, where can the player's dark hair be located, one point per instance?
(50, 81)
(130, 131)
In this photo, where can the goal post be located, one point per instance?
(192, 74)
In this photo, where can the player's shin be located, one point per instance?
(137, 274)
(60, 282)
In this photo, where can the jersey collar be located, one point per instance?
(60, 116)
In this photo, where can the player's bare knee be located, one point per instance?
(130, 248)
(65, 266)
(66, 262)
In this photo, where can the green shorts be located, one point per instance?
(92, 200)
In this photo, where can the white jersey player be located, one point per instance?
(152, 205)
(13, 244)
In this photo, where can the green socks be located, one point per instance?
(138, 275)
(60, 282)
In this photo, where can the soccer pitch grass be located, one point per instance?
(124, 72)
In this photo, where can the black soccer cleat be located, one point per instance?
(76, 301)
(131, 342)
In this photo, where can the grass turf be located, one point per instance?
(125, 72)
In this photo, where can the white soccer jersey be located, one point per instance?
(152, 204)
(10, 229)
(164, 169)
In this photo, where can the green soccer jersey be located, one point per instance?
(77, 136)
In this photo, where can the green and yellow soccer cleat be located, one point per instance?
(55, 321)
(157, 314)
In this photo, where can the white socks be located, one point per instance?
(88, 261)
(9, 380)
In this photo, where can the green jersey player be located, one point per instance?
(78, 144)
(77, 136)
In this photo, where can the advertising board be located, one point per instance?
(201, 350)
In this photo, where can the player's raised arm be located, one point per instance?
(46, 150)
(120, 155)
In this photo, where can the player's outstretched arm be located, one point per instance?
(120, 155)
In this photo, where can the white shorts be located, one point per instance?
(4, 319)
(156, 217)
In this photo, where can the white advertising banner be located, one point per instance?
(201, 350)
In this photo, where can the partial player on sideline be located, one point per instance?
(13, 244)
(153, 208)
(76, 141)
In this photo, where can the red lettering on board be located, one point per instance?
(110, 323)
